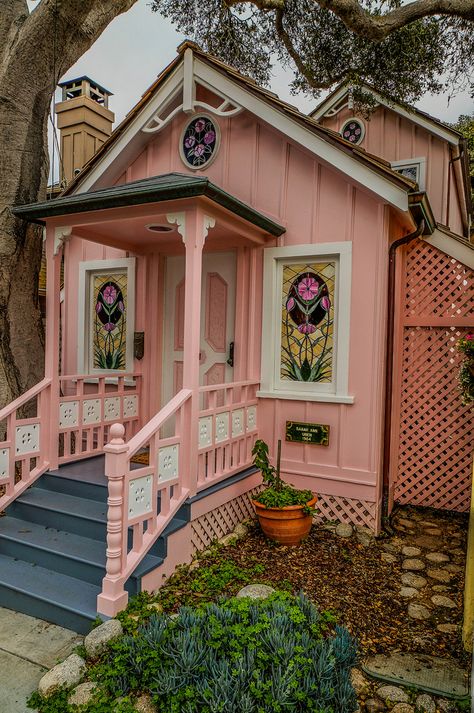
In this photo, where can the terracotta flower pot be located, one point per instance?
(287, 525)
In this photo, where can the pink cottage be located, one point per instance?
(233, 270)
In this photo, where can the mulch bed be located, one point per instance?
(353, 581)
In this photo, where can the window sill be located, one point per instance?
(307, 396)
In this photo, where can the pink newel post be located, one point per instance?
(114, 597)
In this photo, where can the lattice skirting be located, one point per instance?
(223, 519)
(355, 512)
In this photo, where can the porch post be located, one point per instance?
(193, 227)
(50, 419)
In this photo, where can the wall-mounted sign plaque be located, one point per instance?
(315, 433)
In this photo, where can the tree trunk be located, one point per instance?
(35, 50)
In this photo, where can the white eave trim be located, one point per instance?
(422, 121)
(457, 249)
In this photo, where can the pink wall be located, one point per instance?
(395, 138)
(317, 204)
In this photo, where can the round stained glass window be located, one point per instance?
(199, 142)
(353, 131)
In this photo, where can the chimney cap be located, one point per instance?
(74, 84)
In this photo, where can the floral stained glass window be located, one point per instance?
(353, 131)
(109, 321)
(307, 321)
(199, 142)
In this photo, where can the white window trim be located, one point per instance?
(419, 163)
(86, 271)
(271, 337)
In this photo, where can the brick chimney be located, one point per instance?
(84, 121)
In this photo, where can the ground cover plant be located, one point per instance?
(233, 656)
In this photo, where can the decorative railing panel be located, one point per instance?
(227, 430)
(89, 405)
(26, 443)
(148, 482)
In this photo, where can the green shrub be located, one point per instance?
(278, 655)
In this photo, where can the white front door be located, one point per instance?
(217, 321)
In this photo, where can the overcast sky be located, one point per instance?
(137, 45)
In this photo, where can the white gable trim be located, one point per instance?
(457, 249)
(422, 121)
(334, 156)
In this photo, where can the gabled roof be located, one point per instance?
(426, 121)
(167, 187)
(369, 170)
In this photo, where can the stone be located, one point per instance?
(228, 540)
(403, 708)
(441, 601)
(66, 674)
(447, 628)
(441, 575)
(256, 591)
(97, 640)
(446, 706)
(454, 568)
(144, 704)
(418, 611)
(365, 536)
(413, 580)
(440, 588)
(413, 564)
(425, 704)
(241, 530)
(427, 543)
(411, 551)
(82, 694)
(360, 683)
(427, 523)
(408, 592)
(392, 694)
(374, 705)
(387, 557)
(434, 531)
(437, 557)
(391, 547)
(420, 671)
(406, 523)
(344, 530)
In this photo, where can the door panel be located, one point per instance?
(217, 321)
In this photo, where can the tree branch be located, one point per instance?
(13, 15)
(377, 27)
(295, 56)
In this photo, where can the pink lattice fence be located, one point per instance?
(432, 440)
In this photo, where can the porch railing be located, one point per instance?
(227, 430)
(89, 405)
(26, 448)
(143, 497)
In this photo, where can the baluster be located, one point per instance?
(114, 597)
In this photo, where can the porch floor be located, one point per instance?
(87, 470)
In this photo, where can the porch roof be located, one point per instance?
(166, 187)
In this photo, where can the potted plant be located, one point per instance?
(285, 514)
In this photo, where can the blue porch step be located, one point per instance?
(52, 546)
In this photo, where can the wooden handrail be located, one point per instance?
(24, 398)
(145, 433)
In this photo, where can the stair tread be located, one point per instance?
(68, 504)
(64, 543)
(57, 589)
